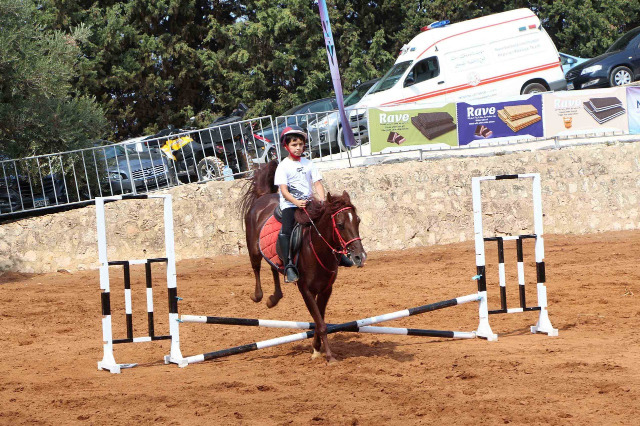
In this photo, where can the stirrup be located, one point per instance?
(345, 261)
(290, 273)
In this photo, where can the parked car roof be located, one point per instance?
(319, 105)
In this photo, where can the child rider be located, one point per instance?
(296, 177)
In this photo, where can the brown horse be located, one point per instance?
(333, 227)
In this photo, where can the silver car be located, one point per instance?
(325, 133)
(127, 168)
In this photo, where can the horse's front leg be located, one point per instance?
(321, 326)
(321, 300)
(277, 291)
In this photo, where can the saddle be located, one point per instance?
(269, 237)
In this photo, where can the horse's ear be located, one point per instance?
(345, 197)
(329, 197)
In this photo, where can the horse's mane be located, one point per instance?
(261, 183)
(316, 208)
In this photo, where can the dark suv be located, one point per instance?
(619, 65)
(204, 154)
(23, 192)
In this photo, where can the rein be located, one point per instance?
(343, 243)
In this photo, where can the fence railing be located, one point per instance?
(170, 158)
(174, 157)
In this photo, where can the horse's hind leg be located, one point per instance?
(256, 260)
(321, 300)
(277, 291)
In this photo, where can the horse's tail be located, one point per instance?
(261, 183)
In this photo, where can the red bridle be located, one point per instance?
(343, 243)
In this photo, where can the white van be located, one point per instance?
(499, 55)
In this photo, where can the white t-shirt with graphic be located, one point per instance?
(299, 176)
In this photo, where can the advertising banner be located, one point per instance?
(480, 123)
(349, 139)
(393, 129)
(584, 111)
(633, 108)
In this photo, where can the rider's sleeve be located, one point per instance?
(280, 177)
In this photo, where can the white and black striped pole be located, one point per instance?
(108, 361)
(311, 326)
(484, 329)
(348, 326)
(544, 325)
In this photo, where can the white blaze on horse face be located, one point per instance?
(350, 217)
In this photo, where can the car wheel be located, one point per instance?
(620, 76)
(210, 168)
(533, 88)
(342, 145)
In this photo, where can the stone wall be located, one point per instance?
(585, 189)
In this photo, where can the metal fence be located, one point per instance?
(174, 157)
(326, 134)
(170, 158)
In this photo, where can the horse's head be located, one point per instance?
(346, 224)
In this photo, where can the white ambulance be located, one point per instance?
(494, 56)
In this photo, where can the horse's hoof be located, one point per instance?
(273, 300)
(316, 354)
(256, 297)
(331, 360)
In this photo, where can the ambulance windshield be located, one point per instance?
(392, 76)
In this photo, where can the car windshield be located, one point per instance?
(292, 111)
(392, 76)
(118, 151)
(358, 94)
(623, 41)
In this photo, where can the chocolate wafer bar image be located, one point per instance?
(603, 104)
(516, 112)
(519, 124)
(395, 137)
(604, 115)
(483, 131)
(433, 124)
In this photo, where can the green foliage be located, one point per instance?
(39, 110)
(151, 63)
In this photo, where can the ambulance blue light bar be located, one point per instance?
(437, 24)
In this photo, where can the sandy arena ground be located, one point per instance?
(50, 341)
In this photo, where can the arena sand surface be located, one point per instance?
(50, 341)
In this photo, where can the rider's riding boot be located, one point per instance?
(345, 261)
(290, 270)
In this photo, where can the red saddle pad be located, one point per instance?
(268, 239)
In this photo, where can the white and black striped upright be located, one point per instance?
(543, 325)
(334, 328)
(297, 325)
(108, 361)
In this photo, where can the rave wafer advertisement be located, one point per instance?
(633, 109)
(479, 123)
(585, 111)
(393, 129)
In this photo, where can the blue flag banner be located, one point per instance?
(335, 73)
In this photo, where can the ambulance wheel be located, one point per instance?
(620, 76)
(533, 88)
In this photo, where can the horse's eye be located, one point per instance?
(358, 220)
(340, 225)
